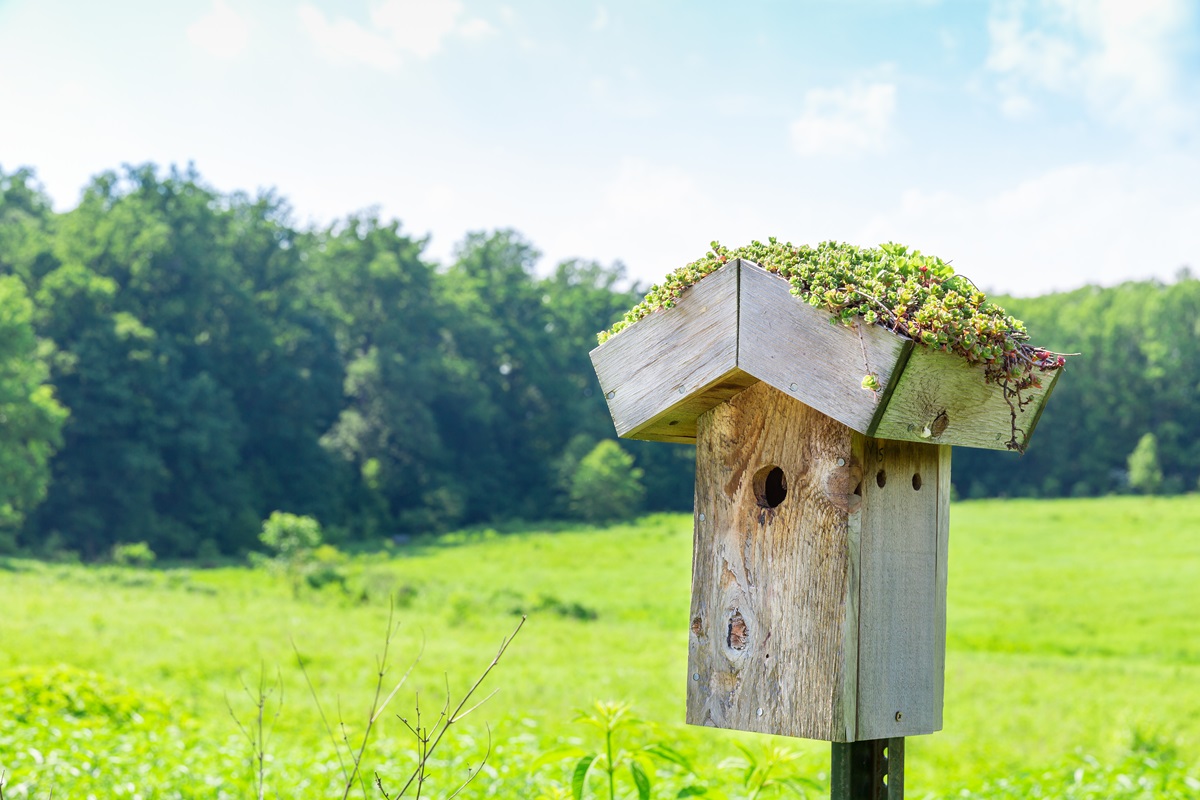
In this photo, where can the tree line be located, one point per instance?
(177, 363)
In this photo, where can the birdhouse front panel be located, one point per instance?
(818, 590)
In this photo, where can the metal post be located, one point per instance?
(870, 770)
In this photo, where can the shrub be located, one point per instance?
(137, 554)
(606, 486)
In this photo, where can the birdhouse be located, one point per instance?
(819, 568)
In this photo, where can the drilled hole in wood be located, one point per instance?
(770, 486)
(673, 422)
(881, 478)
(739, 635)
(917, 481)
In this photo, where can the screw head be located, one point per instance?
(681, 390)
(611, 395)
(841, 462)
(702, 517)
(760, 712)
(695, 676)
(793, 387)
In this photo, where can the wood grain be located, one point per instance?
(791, 345)
(902, 595)
(941, 399)
(670, 359)
(827, 611)
(769, 645)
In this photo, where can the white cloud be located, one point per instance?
(844, 121)
(1077, 224)
(396, 29)
(343, 40)
(476, 28)
(1119, 56)
(600, 21)
(221, 32)
(654, 217)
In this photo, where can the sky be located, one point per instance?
(1036, 145)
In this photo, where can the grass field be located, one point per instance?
(1073, 634)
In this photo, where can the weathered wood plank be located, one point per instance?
(663, 360)
(791, 345)
(769, 649)
(901, 650)
(941, 399)
(940, 576)
(678, 423)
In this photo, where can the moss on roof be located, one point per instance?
(910, 294)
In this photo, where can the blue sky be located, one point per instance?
(1036, 144)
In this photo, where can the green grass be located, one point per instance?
(1073, 631)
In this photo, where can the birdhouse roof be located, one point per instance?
(741, 325)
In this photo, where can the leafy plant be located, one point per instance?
(911, 294)
(770, 772)
(613, 721)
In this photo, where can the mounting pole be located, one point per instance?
(870, 770)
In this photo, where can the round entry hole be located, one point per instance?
(917, 481)
(770, 486)
(881, 478)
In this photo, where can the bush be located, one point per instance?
(137, 554)
(606, 486)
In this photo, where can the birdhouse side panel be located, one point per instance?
(941, 399)
(773, 624)
(903, 538)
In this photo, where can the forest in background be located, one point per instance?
(177, 363)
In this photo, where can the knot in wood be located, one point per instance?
(739, 634)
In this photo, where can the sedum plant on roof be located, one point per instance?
(910, 294)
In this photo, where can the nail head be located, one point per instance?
(695, 676)
(841, 462)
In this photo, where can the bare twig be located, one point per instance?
(324, 720)
(261, 737)
(428, 738)
(377, 707)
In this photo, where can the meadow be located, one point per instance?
(1073, 663)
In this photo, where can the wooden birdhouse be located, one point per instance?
(821, 521)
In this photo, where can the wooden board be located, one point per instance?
(792, 346)
(902, 595)
(768, 649)
(670, 359)
(940, 399)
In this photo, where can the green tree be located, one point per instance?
(198, 379)
(405, 390)
(607, 486)
(31, 418)
(291, 538)
(1145, 474)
